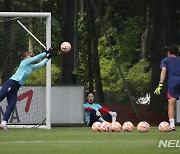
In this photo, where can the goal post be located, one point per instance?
(47, 17)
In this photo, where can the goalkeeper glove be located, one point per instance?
(98, 113)
(158, 89)
(113, 114)
(50, 52)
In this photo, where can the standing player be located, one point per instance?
(11, 86)
(170, 66)
(92, 114)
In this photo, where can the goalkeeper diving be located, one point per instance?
(92, 111)
(11, 86)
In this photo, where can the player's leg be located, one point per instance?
(12, 99)
(94, 117)
(109, 118)
(173, 95)
(171, 112)
(5, 89)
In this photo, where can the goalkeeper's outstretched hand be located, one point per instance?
(50, 52)
(158, 89)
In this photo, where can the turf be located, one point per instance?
(82, 140)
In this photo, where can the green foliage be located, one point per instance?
(82, 69)
(126, 47)
(138, 79)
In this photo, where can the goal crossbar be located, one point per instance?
(25, 14)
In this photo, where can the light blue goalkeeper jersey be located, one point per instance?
(94, 106)
(26, 67)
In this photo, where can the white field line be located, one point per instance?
(76, 141)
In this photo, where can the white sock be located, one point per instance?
(101, 119)
(171, 121)
(4, 123)
(113, 119)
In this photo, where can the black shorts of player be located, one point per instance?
(94, 117)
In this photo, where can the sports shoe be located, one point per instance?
(3, 127)
(172, 129)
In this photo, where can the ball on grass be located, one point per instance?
(115, 127)
(127, 126)
(96, 126)
(143, 126)
(164, 126)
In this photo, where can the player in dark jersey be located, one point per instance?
(170, 67)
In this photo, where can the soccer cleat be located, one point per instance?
(3, 127)
(172, 129)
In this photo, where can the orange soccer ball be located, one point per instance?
(65, 46)
(127, 126)
(164, 126)
(105, 127)
(96, 126)
(143, 126)
(115, 127)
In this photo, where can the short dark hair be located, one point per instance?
(89, 93)
(173, 49)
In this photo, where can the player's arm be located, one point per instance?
(47, 53)
(40, 64)
(162, 75)
(162, 78)
(103, 109)
(88, 109)
(35, 58)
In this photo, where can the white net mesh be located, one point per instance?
(31, 104)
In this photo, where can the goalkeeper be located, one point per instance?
(11, 86)
(170, 66)
(92, 111)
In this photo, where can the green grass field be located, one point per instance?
(82, 140)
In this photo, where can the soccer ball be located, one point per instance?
(143, 126)
(164, 126)
(105, 127)
(65, 46)
(96, 126)
(128, 126)
(115, 127)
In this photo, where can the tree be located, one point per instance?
(154, 41)
(67, 34)
(93, 34)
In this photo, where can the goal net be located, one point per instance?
(34, 98)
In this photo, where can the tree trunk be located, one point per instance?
(68, 33)
(173, 35)
(145, 39)
(98, 82)
(157, 44)
(89, 21)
